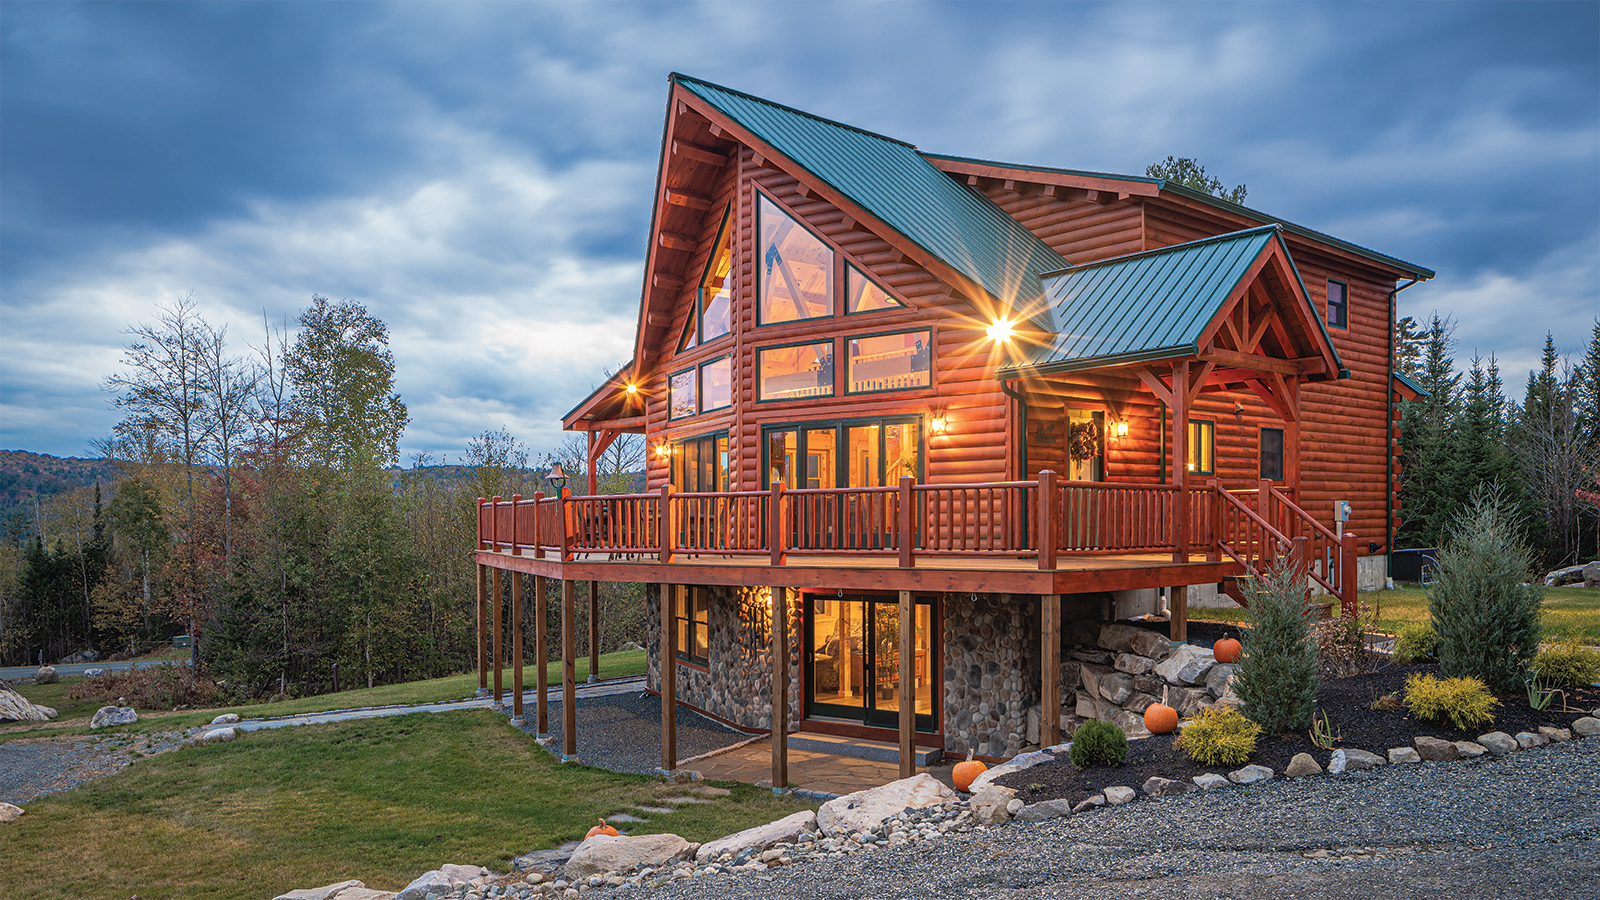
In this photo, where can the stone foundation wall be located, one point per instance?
(991, 671)
(737, 684)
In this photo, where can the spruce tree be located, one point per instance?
(1277, 674)
(1427, 440)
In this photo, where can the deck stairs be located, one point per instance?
(1278, 531)
(838, 745)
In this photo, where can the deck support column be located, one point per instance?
(1180, 613)
(541, 657)
(516, 648)
(908, 696)
(495, 590)
(1050, 670)
(1179, 626)
(569, 699)
(594, 631)
(483, 629)
(669, 681)
(780, 689)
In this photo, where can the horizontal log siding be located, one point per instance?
(1342, 453)
(1080, 230)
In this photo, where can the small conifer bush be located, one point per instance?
(1219, 737)
(1416, 643)
(1099, 743)
(1461, 702)
(1277, 675)
(1486, 615)
(1568, 664)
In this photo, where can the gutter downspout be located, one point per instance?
(1022, 427)
(1388, 449)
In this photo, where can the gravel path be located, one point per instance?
(622, 732)
(1526, 825)
(33, 767)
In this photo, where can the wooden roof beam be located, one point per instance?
(698, 153)
(666, 280)
(678, 241)
(688, 199)
(1236, 360)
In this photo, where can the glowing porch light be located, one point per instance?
(1122, 429)
(1000, 331)
(633, 388)
(938, 424)
(663, 450)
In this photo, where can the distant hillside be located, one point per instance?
(28, 477)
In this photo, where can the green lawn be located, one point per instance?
(1565, 609)
(382, 800)
(75, 714)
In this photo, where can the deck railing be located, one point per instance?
(1046, 518)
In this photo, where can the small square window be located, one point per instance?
(1272, 453)
(1338, 305)
(716, 384)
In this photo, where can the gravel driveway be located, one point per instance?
(1522, 826)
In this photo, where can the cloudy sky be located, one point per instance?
(480, 175)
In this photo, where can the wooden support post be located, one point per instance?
(1047, 521)
(569, 646)
(780, 690)
(483, 628)
(516, 646)
(908, 694)
(1214, 527)
(1050, 670)
(1349, 604)
(905, 535)
(563, 522)
(498, 610)
(541, 655)
(1180, 458)
(594, 631)
(669, 680)
(1180, 614)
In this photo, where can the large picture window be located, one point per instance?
(890, 362)
(691, 614)
(802, 370)
(716, 384)
(869, 453)
(1201, 451)
(681, 401)
(796, 269)
(700, 465)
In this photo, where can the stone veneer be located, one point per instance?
(991, 671)
(736, 686)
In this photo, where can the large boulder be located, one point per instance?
(866, 810)
(1435, 750)
(109, 716)
(1588, 726)
(1219, 680)
(760, 837)
(16, 708)
(1352, 760)
(1119, 638)
(218, 735)
(46, 675)
(1591, 575)
(1047, 809)
(1568, 575)
(342, 890)
(989, 806)
(1188, 664)
(10, 812)
(434, 882)
(603, 853)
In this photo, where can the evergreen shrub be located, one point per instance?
(1568, 664)
(1219, 737)
(1483, 610)
(1416, 643)
(1462, 702)
(1277, 675)
(1099, 743)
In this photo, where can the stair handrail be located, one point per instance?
(1268, 529)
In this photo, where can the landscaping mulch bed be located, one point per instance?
(1347, 703)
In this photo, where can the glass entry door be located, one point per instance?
(853, 667)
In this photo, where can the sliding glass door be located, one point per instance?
(853, 663)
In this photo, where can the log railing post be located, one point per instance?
(1214, 521)
(516, 509)
(1048, 520)
(906, 532)
(494, 524)
(1299, 563)
(563, 516)
(1348, 601)
(665, 521)
(538, 515)
(483, 536)
(777, 525)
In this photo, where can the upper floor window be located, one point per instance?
(890, 362)
(863, 295)
(716, 294)
(700, 389)
(1201, 452)
(1338, 304)
(795, 371)
(681, 395)
(796, 269)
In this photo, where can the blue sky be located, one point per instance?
(480, 175)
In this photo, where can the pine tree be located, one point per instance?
(1277, 675)
(1427, 445)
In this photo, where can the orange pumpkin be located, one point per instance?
(1226, 650)
(1160, 718)
(602, 828)
(965, 772)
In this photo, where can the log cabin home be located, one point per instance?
(907, 414)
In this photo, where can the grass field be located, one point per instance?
(1566, 609)
(74, 715)
(382, 800)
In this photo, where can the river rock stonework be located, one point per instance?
(990, 674)
(736, 685)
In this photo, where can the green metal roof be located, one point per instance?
(891, 180)
(1146, 306)
(1413, 384)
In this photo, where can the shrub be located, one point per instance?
(1416, 642)
(1486, 617)
(1463, 702)
(1219, 737)
(1099, 743)
(1342, 644)
(164, 686)
(1277, 676)
(1568, 664)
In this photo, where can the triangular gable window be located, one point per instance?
(688, 342)
(716, 295)
(864, 295)
(796, 269)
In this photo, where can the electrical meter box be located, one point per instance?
(1341, 510)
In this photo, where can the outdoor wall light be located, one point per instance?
(1122, 429)
(938, 424)
(633, 388)
(1000, 331)
(663, 450)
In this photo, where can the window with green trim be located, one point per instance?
(716, 294)
(700, 464)
(1272, 453)
(889, 362)
(796, 268)
(1338, 304)
(1201, 452)
(862, 294)
(716, 384)
(681, 402)
(691, 617)
(796, 371)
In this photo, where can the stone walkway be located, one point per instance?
(809, 770)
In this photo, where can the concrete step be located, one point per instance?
(881, 751)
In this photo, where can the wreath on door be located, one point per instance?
(1084, 441)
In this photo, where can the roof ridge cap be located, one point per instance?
(1026, 167)
(677, 77)
(1272, 226)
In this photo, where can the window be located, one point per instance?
(890, 362)
(687, 342)
(862, 295)
(690, 615)
(1201, 451)
(1272, 453)
(796, 269)
(802, 370)
(1338, 305)
(700, 464)
(716, 384)
(874, 453)
(681, 395)
(716, 299)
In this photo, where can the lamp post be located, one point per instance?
(556, 478)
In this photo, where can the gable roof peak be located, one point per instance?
(679, 78)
